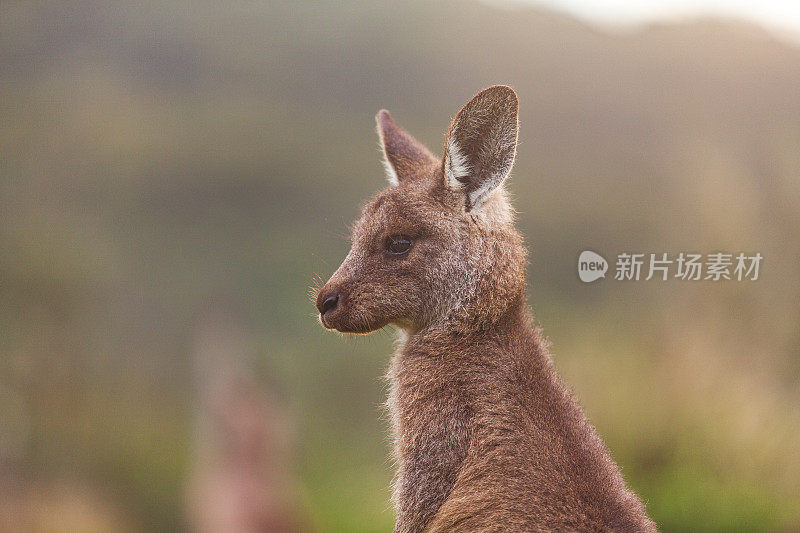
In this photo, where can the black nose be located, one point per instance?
(329, 303)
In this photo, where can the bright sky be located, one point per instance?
(781, 15)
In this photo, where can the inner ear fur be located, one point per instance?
(481, 144)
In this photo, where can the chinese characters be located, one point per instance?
(688, 266)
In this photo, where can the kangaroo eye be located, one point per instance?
(398, 244)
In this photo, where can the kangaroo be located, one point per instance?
(486, 435)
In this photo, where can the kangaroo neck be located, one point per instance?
(466, 331)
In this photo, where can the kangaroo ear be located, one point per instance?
(481, 144)
(403, 155)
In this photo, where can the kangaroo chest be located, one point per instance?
(431, 415)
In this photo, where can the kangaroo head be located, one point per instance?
(437, 247)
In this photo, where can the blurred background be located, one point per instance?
(174, 175)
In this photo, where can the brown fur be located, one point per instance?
(487, 437)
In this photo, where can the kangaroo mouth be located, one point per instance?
(345, 326)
